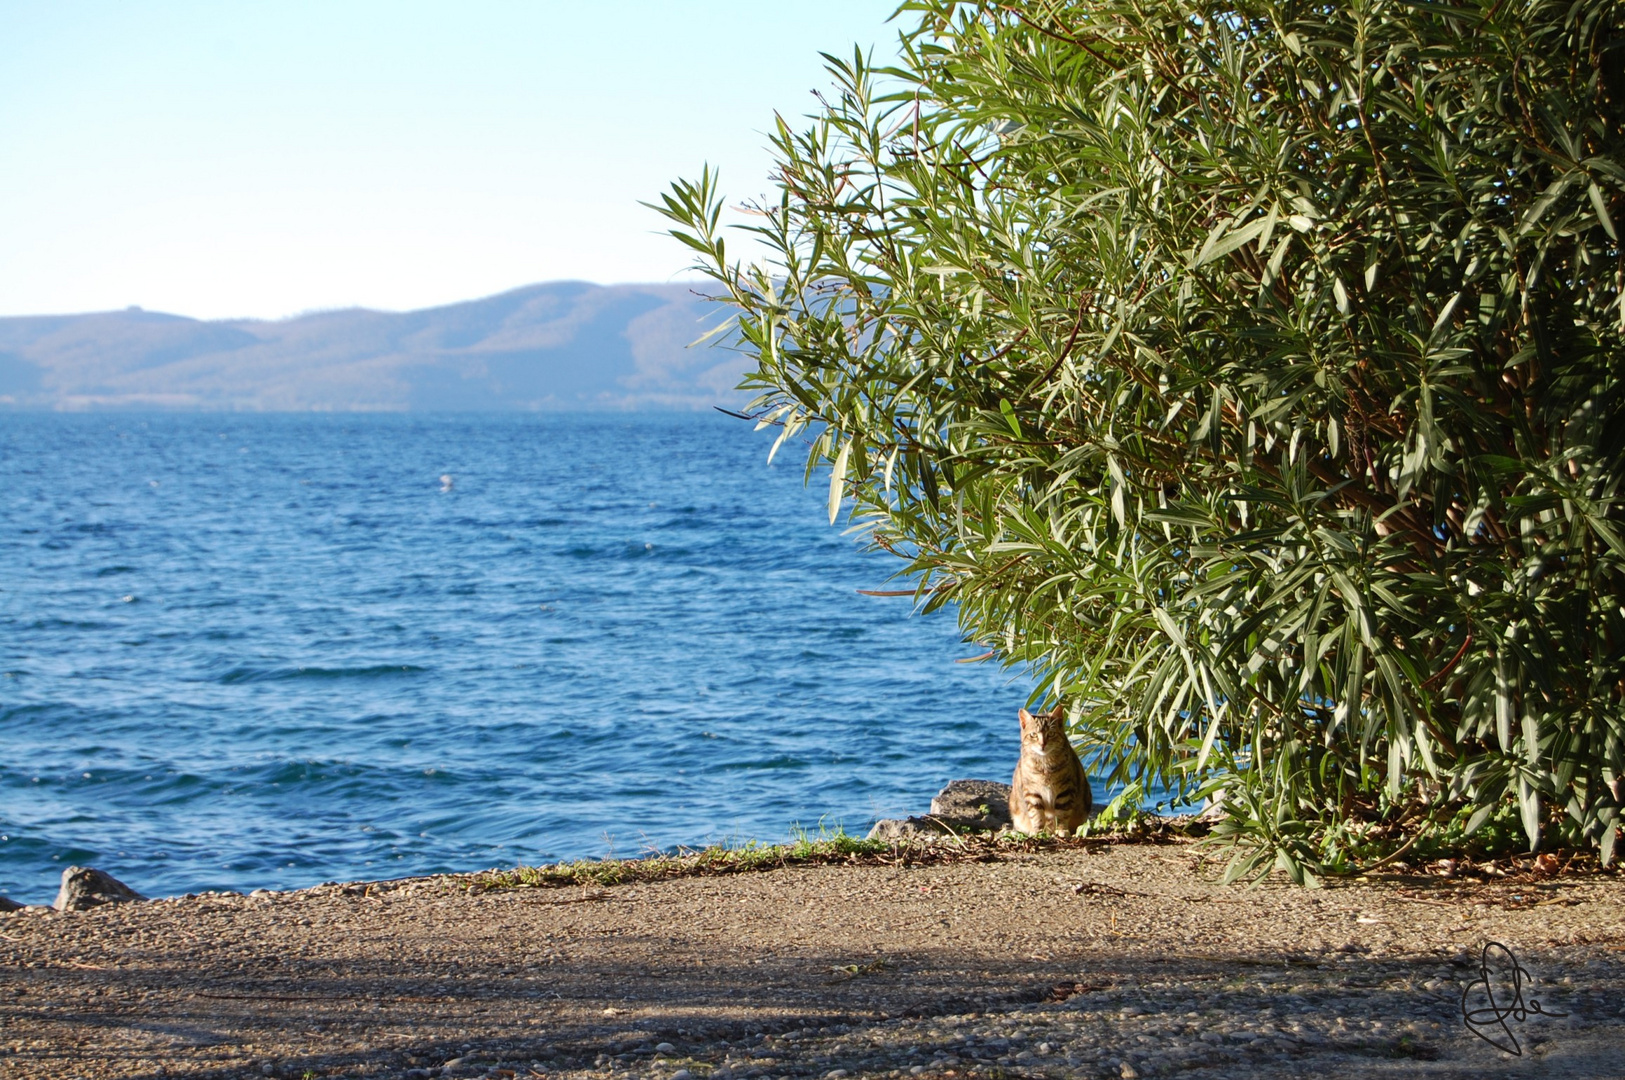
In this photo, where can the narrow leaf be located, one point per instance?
(837, 478)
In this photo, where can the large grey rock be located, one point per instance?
(8, 904)
(84, 887)
(962, 806)
(978, 804)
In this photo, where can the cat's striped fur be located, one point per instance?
(1049, 792)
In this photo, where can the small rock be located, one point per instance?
(682, 1074)
(904, 828)
(1127, 1071)
(665, 1048)
(834, 1074)
(84, 887)
(981, 804)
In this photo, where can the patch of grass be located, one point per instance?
(805, 848)
(822, 849)
(1409, 1047)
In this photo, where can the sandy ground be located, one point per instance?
(1106, 961)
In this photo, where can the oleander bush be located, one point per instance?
(1251, 372)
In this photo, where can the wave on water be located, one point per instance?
(252, 674)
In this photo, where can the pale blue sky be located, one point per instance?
(259, 159)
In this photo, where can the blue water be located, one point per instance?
(267, 651)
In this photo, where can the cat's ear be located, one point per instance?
(1026, 718)
(1058, 713)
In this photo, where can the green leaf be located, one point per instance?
(1601, 207)
(1221, 243)
(1010, 417)
(1479, 816)
(837, 478)
(1529, 809)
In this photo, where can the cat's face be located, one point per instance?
(1038, 731)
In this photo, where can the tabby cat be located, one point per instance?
(1049, 792)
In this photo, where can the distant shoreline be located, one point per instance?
(556, 346)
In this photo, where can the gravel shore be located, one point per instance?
(1111, 960)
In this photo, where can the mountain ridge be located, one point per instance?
(549, 346)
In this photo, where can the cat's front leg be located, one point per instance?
(1039, 814)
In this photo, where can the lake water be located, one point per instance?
(245, 651)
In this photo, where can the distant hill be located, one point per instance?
(561, 345)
